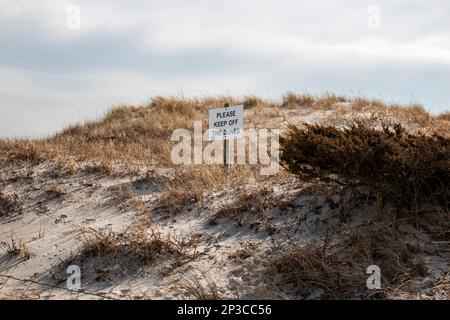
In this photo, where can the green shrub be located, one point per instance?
(391, 162)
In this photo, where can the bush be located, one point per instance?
(390, 161)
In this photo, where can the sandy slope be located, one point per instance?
(230, 255)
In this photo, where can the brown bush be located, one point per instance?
(391, 162)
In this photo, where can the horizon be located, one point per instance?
(68, 62)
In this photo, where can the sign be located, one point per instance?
(226, 123)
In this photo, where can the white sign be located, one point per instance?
(226, 123)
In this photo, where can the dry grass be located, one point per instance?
(10, 204)
(17, 248)
(140, 243)
(191, 185)
(64, 166)
(256, 102)
(345, 108)
(328, 100)
(251, 208)
(56, 191)
(110, 256)
(338, 267)
(292, 100)
(247, 249)
(323, 102)
(254, 204)
(186, 188)
(126, 136)
(137, 137)
(412, 113)
(124, 193)
(438, 289)
(377, 113)
(22, 150)
(437, 224)
(133, 139)
(125, 196)
(200, 290)
(444, 116)
(101, 167)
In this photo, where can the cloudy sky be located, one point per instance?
(54, 71)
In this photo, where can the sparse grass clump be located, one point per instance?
(394, 164)
(139, 243)
(325, 101)
(56, 191)
(22, 150)
(309, 267)
(105, 167)
(256, 102)
(328, 100)
(338, 267)
(190, 107)
(10, 204)
(186, 188)
(175, 199)
(124, 193)
(111, 256)
(252, 204)
(412, 114)
(292, 100)
(17, 248)
(63, 167)
(200, 290)
(251, 208)
(190, 185)
(444, 116)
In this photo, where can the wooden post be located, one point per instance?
(225, 145)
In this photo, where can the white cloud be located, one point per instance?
(128, 51)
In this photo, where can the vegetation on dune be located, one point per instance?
(397, 165)
(139, 242)
(10, 204)
(338, 266)
(142, 133)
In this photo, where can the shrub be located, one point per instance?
(404, 166)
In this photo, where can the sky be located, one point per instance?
(68, 61)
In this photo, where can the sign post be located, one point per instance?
(224, 124)
(225, 144)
